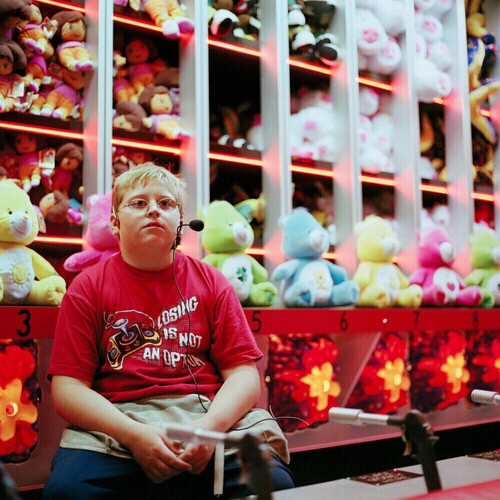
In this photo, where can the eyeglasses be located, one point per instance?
(142, 206)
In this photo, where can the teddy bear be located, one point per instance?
(308, 279)
(432, 56)
(441, 284)
(312, 40)
(226, 236)
(34, 37)
(12, 58)
(25, 276)
(485, 260)
(378, 24)
(69, 38)
(375, 133)
(227, 17)
(65, 100)
(98, 235)
(381, 282)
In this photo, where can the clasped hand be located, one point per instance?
(162, 458)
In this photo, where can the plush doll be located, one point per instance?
(68, 158)
(313, 39)
(221, 21)
(381, 282)
(432, 54)
(378, 26)
(485, 259)
(169, 16)
(441, 284)
(98, 235)
(13, 14)
(33, 37)
(309, 280)
(129, 116)
(158, 105)
(226, 236)
(25, 276)
(12, 58)
(28, 160)
(481, 49)
(54, 207)
(36, 71)
(71, 31)
(143, 64)
(66, 99)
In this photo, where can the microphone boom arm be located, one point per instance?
(417, 435)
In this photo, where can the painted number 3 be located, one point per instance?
(26, 323)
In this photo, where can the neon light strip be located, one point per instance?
(434, 189)
(61, 240)
(64, 5)
(136, 23)
(19, 127)
(145, 145)
(235, 48)
(255, 162)
(377, 180)
(310, 170)
(256, 53)
(374, 83)
(483, 196)
(310, 67)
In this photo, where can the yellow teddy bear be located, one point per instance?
(25, 276)
(381, 282)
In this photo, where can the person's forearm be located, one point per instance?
(85, 408)
(239, 392)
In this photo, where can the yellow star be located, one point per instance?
(321, 384)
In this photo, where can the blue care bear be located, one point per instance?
(310, 280)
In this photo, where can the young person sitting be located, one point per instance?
(140, 345)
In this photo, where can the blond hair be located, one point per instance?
(143, 173)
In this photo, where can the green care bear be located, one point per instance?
(226, 236)
(381, 282)
(309, 279)
(25, 276)
(485, 259)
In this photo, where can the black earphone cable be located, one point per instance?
(189, 321)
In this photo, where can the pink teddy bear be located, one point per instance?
(441, 285)
(98, 236)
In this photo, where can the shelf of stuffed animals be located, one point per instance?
(43, 119)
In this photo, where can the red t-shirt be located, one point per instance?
(126, 330)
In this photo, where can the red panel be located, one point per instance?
(27, 322)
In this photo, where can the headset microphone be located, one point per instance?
(195, 224)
